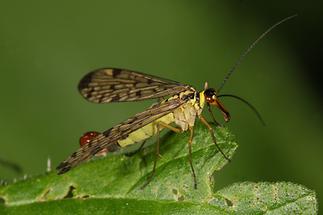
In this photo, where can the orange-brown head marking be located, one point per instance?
(212, 99)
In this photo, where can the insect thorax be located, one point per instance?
(184, 117)
(186, 114)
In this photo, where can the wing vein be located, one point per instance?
(110, 137)
(120, 85)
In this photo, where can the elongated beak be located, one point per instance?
(225, 113)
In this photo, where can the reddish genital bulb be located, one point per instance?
(86, 139)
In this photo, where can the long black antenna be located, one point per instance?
(243, 55)
(248, 104)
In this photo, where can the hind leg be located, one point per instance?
(159, 125)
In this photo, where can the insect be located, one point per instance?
(179, 106)
(178, 112)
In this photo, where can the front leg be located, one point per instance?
(211, 130)
(212, 115)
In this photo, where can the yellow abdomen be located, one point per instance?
(146, 131)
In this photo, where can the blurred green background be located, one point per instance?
(46, 47)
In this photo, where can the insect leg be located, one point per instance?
(158, 127)
(212, 115)
(204, 121)
(156, 158)
(176, 130)
(190, 155)
(137, 150)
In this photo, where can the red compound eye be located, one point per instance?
(87, 137)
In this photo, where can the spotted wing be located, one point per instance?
(110, 137)
(120, 85)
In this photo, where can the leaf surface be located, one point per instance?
(113, 185)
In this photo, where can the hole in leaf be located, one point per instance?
(181, 198)
(175, 191)
(85, 196)
(229, 203)
(70, 192)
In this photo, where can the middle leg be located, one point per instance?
(190, 155)
(204, 121)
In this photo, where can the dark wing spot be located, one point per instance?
(107, 132)
(85, 81)
(74, 155)
(149, 81)
(116, 72)
(115, 98)
(100, 99)
(63, 167)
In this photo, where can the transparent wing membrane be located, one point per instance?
(109, 138)
(120, 85)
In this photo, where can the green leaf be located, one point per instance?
(112, 185)
(268, 198)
